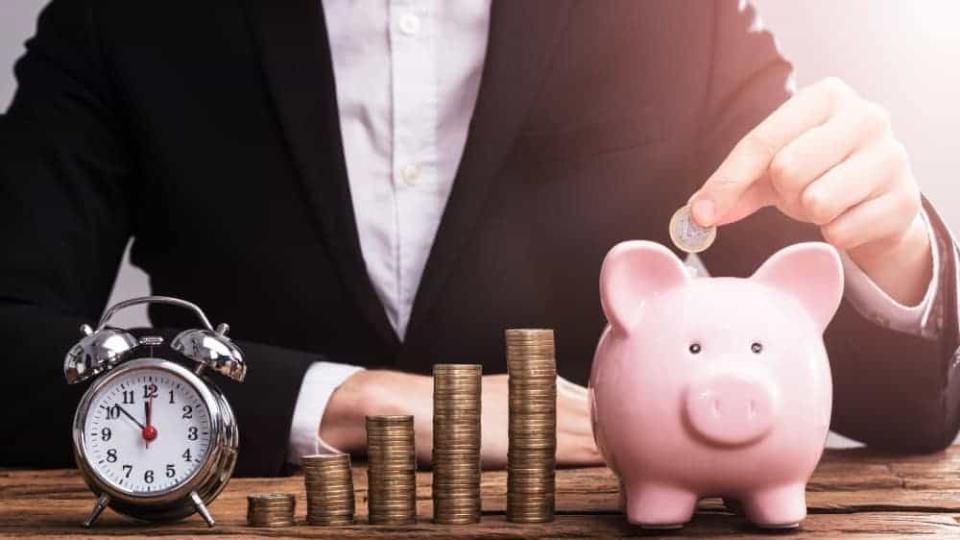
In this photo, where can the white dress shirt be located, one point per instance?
(407, 74)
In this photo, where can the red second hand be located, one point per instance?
(149, 432)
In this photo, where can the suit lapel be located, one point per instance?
(522, 36)
(295, 53)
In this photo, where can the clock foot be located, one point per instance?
(102, 502)
(202, 509)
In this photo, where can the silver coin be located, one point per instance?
(687, 235)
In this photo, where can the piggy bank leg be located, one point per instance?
(655, 506)
(779, 507)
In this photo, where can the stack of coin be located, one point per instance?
(531, 456)
(392, 470)
(271, 510)
(329, 484)
(456, 443)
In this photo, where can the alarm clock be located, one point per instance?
(153, 436)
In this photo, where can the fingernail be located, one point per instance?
(704, 212)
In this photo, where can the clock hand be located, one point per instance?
(149, 432)
(128, 415)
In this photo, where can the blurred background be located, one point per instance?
(903, 55)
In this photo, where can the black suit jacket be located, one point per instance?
(208, 132)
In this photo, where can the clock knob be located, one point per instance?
(212, 349)
(96, 352)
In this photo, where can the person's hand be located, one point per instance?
(575, 444)
(390, 392)
(829, 157)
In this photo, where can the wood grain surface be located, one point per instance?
(853, 493)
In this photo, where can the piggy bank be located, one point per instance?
(705, 387)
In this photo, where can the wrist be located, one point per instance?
(363, 394)
(901, 266)
(342, 424)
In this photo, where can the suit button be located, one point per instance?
(409, 24)
(410, 174)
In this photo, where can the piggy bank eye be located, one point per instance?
(756, 347)
(694, 348)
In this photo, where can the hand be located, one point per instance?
(389, 392)
(575, 444)
(130, 416)
(149, 431)
(829, 157)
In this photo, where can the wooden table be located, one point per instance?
(853, 493)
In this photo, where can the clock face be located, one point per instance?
(147, 431)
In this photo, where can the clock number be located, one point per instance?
(128, 397)
(192, 433)
(186, 455)
(187, 411)
(149, 391)
(105, 434)
(112, 455)
(148, 476)
(171, 397)
(127, 469)
(171, 471)
(113, 412)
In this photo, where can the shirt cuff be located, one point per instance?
(319, 383)
(875, 304)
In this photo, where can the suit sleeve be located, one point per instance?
(892, 389)
(67, 190)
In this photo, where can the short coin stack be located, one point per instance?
(456, 443)
(271, 510)
(329, 484)
(531, 455)
(392, 470)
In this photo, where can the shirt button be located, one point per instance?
(409, 24)
(410, 174)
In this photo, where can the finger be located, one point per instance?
(751, 157)
(885, 217)
(571, 388)
(821, 148)
(577, 450)
(761, 194)
(863, 176)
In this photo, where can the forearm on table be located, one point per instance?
(366, 393)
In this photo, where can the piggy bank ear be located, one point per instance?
(811, 272)
(632, 273)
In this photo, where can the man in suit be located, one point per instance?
(388, 185)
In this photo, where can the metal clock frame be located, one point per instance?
(192, 494)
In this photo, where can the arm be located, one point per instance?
(390, 392)
(67, 187)
(892, 389)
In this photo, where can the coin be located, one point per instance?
(456, 443)
(391, 470)
(532, 405)
(271, 510)
(687, 235)
(328, 480)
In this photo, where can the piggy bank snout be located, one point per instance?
(731, 407)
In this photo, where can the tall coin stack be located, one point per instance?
(271, 510)
(392, 470)
(328, 480)
(531, 455)
(456, 443)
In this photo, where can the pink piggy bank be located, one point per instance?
(707, 387)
